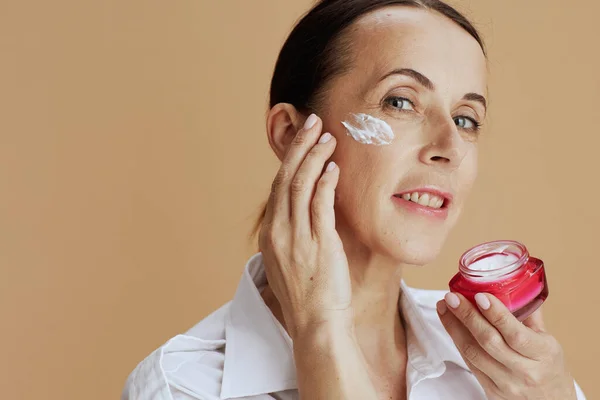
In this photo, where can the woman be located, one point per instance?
(399, 88)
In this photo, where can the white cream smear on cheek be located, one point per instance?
(369, 130)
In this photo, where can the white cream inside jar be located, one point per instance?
(493, 261)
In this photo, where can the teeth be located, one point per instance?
(424, 199)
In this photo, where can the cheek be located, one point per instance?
(357, 168)
(472, 167)
(368, 130)
(361, 175)
(466, 176)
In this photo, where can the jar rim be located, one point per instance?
(490, 248)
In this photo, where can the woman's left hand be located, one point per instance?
(510, 359)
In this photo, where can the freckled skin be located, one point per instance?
(428, 148)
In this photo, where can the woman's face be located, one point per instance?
(425, 77)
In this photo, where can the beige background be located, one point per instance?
(133, 161)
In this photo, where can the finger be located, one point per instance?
(536, 321)
(488, 337)
(305, 182)
(300, 146)
(519, 337)
(469, 348)
(322, 210)
(485, 381)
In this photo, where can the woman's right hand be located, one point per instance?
(304, 258)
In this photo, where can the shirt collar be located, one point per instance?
(259, 354)
(429, 345)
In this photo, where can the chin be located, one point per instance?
(416, 250)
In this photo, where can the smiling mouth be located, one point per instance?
(429, 200)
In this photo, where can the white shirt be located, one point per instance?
(241, 351)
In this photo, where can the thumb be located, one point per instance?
(536, 321)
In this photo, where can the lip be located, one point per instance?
(441, 213)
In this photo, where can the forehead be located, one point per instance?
(424, 40)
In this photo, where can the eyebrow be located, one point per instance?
(428, 84)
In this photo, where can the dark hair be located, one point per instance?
(316, 49)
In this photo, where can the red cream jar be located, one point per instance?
(505, 269)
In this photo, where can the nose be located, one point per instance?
(444, 147)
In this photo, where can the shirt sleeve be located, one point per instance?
(148, 381)
(177, 371)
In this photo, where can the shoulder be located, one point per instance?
(188, 366)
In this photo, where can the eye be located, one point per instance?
(400, 103)
(467, 123)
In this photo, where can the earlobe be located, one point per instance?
(283, 122)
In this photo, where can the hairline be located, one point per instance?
(340, 50)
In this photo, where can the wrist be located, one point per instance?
(330, 363)
(338, 323)
(323, 334)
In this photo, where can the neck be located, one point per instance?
(375, 299)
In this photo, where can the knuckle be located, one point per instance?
(300, 139)
(512, 391)
(312, 155)
(518, 339)
(280, 178)
(518, 365)
(471, 352)
(323, 181)
(531, 379)
(491, 340)
(274, 185)
(469, 316)
(500, 320)
(266, 238)
(299, 185)
(449, 323)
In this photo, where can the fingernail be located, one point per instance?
(482, 301)
(441, 307)
(310, 121)
(452, 300)
(330, 166)
(326, 137)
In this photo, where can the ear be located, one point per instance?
(283, 122)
